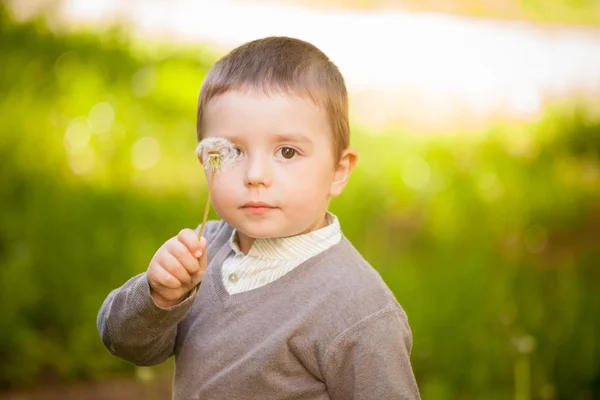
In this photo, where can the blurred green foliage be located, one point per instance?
(491, 241)
(556, 11)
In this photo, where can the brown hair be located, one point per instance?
(284, 65)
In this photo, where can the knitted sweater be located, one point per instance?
(328, 329)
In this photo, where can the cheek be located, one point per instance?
(223, 188)
(311, 183)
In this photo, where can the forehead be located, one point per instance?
(251, 112)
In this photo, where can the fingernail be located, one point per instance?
(197, 254)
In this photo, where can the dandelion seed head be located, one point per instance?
(216, 154)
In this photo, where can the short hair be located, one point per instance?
(282, 65)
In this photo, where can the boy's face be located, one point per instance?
(286, 175)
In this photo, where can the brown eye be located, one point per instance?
(288, 152)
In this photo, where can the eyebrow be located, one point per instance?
(280, 137)
(292, 138)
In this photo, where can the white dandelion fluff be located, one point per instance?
(216, 154)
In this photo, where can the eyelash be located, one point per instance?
(296, 152)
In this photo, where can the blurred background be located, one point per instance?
(476, 196)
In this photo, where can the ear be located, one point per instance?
(343, 169)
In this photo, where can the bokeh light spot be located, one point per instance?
(101, 117)
(145, 153)
(77, 135)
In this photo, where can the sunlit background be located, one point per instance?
(477, 193)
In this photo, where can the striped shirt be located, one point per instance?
(270, 259)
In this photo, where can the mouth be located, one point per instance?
(257, 207)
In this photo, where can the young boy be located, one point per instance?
(273, 302)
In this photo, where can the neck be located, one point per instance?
(245, 242)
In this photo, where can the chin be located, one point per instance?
(260, 233)
(263, 230)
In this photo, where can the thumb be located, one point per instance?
(203, 261)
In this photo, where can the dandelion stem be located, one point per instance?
(207, 207)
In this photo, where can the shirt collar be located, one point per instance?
(293, 247)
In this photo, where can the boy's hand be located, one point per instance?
(176, 268)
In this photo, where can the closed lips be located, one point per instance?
(257, 205)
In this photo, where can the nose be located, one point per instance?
(258, 171)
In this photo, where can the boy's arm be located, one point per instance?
(371, 359)
(134, 328)
(131, 323)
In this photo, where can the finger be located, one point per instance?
(181, 252)
(173, 266)
(198, 276)
(190, 240)
(160, 277)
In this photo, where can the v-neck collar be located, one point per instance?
(226, 299)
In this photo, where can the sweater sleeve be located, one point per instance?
(133, 327)
(371, 359)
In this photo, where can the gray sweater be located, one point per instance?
(328, 329)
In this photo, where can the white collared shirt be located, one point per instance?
(270, 259)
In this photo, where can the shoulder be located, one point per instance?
(389, 323)
(349, 277)
(354, 291)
